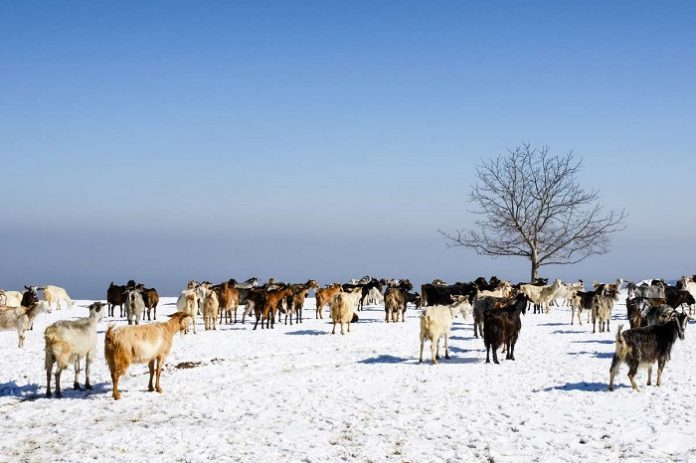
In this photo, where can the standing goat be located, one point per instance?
(436, 323)
(21, 318)
(67, 341)
(642, 347)
(210, 310)
(502, 327)
(57, 294)
(141, 344)
(135, 306)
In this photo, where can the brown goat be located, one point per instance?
(324, 296)
(141, 344)
(267, 311)
(229, 301)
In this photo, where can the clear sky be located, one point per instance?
(165, 141)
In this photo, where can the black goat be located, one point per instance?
(645, 346)
(501, 327)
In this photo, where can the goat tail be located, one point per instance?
(426, 321)
(622, 348)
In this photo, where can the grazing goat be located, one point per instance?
(502, 327)
(187, 303)
(141, 344)
(642, 347)
(135, 306)
(67, 341)
(211, 305)
(324, 296)
(57, 294)
(343, 307)
(21, 318)
(436, 323)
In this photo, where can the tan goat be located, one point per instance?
(141, 344)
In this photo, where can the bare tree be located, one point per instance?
(531, 206)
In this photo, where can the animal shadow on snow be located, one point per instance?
(307, 333)
(582, 386)
(599, 355)
(12, 389)
(384, 359)
(34, 391)
(568, 332)
(596, 341)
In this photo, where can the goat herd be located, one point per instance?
(655, 311)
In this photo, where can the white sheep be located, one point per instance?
(211, 305)
(435, 323)
(21, 318)
(134, 305)
(67, 341)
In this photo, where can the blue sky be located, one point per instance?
(164, 141)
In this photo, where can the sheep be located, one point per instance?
(642, 347)
(343, 307)
(67, 341)
(211, 304)
(56, 294)
(324, 296)
(21, 318)
(436, 322)
(141, 344)
(135, 306)
(502, 327)
(187, 302)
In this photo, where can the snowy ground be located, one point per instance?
(296, 393)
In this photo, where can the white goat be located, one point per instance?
(211, 305)
(135, 306)
(187, 302)
(342, 308)
(435, 323)
(56, 294)
(67, 341)
(21, 318)
(542, 295)
(374, 297)
(13, 298)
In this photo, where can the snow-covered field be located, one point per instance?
(297, 393)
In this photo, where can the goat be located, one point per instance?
(645, 290)
(482, 305)
(541, 296)
(436, 323)
(395, 300)
(67, 341)
(374, 297)
(636, 311)
(659, 314)
(267, 311)
(343, 307)
(187, 303)
(135, 306)
(689, 285)
(115, 296)
(602, 305)
(228, 297)
(13, 298)
(30, 296)
(141, 344)
(644, 346)
(324, 296)
(151, 299)
(295, 302)
(21, 318)
(211, 304)
(56, 294)
(502, 327)
(437, 294)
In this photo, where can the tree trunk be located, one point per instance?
(535, 266)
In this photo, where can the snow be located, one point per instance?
(297, 393)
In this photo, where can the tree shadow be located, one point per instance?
(306, 333)
(383, 359)
(583, 386)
